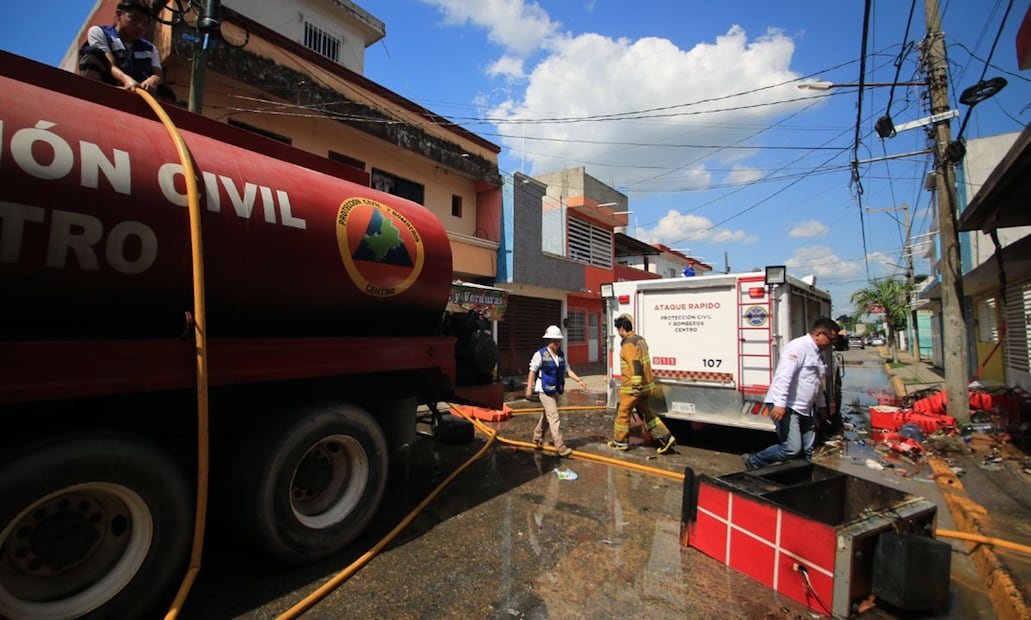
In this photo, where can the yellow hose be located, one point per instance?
(201, 344)
(524, 411)
(1005, 544)
(309, 601)
(316, 596)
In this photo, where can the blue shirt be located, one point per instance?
(798, 381)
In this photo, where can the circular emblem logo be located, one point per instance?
(381, 249)
(756, 316)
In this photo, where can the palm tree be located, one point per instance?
(889, 296)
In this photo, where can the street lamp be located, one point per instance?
(884, 126)
(825, 85)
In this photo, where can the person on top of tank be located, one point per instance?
(120, 55)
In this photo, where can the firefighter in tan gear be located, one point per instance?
(637, 384)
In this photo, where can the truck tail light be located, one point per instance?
(624, 299)
(756, 292)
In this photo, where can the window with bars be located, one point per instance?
(987, 327)
(322, 42)
(589, 243)
(576, 326)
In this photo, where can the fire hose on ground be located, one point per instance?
(312, 599)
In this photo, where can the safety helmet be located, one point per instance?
(625, 321)
(552, 333)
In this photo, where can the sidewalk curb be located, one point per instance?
(970, 517)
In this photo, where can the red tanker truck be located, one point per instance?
(324, 300)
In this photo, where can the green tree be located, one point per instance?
(890, 297)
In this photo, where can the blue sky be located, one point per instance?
(691, 109)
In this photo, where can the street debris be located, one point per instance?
(904, 431)
(566, 474)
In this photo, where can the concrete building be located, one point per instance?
(998, 283)
(558, 247)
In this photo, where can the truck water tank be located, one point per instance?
(94, 236)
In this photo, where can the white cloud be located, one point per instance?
(822, 261)
(676, 228)
(587, 76)
(743, 175)
(509, 67)
(808, 229)
(519, 27)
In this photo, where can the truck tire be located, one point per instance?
(95, 526)
(313, 483)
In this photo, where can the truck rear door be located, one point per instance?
(692, 331)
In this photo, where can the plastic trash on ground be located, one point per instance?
(566, 474)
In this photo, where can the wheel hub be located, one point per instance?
(56, 536)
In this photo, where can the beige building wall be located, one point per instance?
(353, 26)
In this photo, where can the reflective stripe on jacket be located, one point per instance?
(553, 372)
(136, 59)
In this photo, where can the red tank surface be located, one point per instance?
(94, 237)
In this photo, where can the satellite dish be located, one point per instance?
(810, 279)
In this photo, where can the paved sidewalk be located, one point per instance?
(914, 376)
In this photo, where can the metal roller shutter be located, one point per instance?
(519, 335)
(1018, 327)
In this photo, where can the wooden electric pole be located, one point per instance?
(954, 327)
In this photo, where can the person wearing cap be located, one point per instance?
(547, 378)
(797, 386)
(636, 385)
(119, 55)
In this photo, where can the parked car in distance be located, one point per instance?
(856, 342)
(877, 341)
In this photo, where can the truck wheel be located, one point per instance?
(95, 526)
(315, 482)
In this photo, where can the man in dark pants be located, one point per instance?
(798, 385)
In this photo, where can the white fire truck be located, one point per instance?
(715, 340)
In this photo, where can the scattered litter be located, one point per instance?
(991, 466)
(566, 474)
(872, 464)
(959, 471)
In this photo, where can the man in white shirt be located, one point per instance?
(798, 385)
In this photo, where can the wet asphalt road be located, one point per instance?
(510, 539)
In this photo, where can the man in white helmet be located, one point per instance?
(548, 370)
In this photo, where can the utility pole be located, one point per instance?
(954, 328)
(910, 276)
